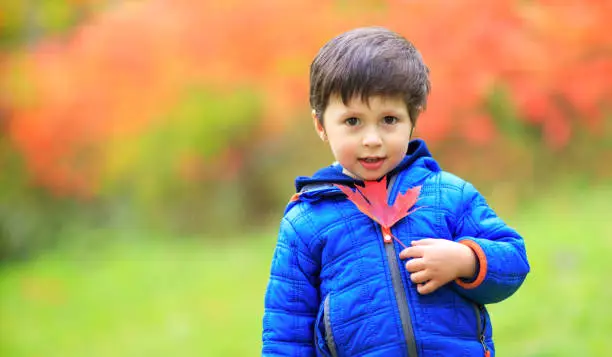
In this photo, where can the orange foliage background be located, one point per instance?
(115, 75)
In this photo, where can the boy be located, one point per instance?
(347, 281)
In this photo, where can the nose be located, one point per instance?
(372, 138)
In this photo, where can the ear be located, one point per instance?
(318, 126)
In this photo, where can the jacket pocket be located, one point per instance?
(324, 336)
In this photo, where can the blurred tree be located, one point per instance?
(133, 62)
(24, 23)
(151, 103)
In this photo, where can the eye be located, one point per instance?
(390, 120)
(352, 121)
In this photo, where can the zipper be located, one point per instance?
(398, 285)
(479, 309)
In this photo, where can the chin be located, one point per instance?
(365, 176)
(372, 177)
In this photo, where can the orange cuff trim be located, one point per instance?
(295, 197)
(482, 260)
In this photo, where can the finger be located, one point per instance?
(426, 241)
(416, 264)
(428, 287)
(411, 252)
(420, 277)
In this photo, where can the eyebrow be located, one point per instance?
(355, 113)
(394, 113)
(351, 113)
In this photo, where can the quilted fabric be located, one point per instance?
(330, 291)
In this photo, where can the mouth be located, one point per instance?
(372, 163)
(371, 160)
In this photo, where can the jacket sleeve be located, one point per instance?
(501, 258)
(292, 299)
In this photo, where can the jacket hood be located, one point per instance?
(333, 174)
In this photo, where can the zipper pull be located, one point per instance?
(386, 233)
(487, 353)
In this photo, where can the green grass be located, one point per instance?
(564, 308)
(156, 298)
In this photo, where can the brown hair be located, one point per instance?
(366, 62)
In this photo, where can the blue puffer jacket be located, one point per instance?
(336, 289)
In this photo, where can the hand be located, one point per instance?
(436, 262)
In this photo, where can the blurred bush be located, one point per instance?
(192, 116)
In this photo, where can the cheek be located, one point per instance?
(343, 149)
(402, 147)
(399, 142)
(397, 148)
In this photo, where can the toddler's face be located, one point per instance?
(368, 139)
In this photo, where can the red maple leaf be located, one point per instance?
(372, 201)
